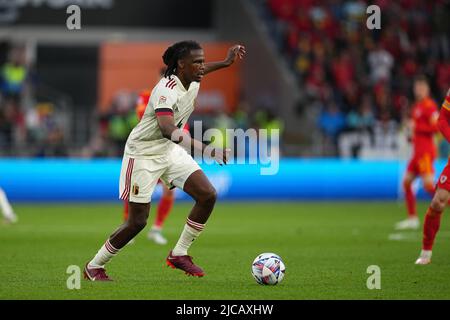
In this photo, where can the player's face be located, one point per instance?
(421, 90)
(195, 65)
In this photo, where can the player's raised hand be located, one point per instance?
(234, 52)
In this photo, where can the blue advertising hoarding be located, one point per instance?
(73, 180)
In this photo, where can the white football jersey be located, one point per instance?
(168, 96)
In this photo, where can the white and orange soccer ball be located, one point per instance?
(268, 269)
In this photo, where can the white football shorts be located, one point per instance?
(139, 177)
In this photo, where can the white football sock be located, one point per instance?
(106, 252)
(191, 231)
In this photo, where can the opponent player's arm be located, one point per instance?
(234, 52)
(170, 131)
(444, 118)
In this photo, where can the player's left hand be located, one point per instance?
(234, 52)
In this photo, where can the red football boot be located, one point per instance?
(95, 274)
(184, 263)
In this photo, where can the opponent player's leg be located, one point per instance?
(6, 208)
(204, 194)
(412, 221)
(432, 223)
(426, 171)
(164, 206)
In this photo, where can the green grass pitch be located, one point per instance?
(326, 247)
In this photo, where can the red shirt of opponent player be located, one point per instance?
(144, 96)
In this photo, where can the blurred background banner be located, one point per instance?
(56, 180)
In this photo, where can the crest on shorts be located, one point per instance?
(135, 189)
(162, 100)
(442, 179)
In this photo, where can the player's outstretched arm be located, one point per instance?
(233, 53)
(170, 131)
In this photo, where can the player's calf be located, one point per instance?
(137, 220)
(205, 199)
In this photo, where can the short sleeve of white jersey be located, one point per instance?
(164, 98)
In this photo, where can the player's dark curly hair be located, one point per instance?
(176, 52)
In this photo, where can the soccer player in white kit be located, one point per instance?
(155, 150)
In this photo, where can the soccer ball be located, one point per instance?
(268, 268)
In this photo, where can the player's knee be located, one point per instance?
(137, 224)
(208, 195)
(212, 195)
(438, 204)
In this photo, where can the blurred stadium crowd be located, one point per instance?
(29, 126)
(360, 80)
